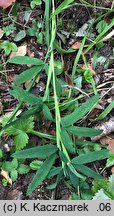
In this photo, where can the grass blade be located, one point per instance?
(61, 7)
(105, 112)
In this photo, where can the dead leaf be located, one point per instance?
(77, 45)
(108, 140)
(84, 67)
(6, 176)
(20, 52)
(11, 78)
(6, 3)
(112, 170)
(1, 33)
(108, 36)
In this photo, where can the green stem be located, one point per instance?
(40, 134)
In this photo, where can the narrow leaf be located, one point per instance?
(25, 96)
(27, 75)
(87, 171)
(73, 170)
(106, 111)
(25, 60)
(41, 174)
(61, 7)
(67, 141)
(79, 112)
(84, 132)
(90, 157)
(40, 152)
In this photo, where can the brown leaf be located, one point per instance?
(20, 52)
(77, 45)
(6, 176)
(1, 33)
(108, 140)
(112, 170)
(83, 67)
(6, 3)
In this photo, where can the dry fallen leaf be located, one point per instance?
(77, 45)
(20, 52)
(108, 36)
(84, 67)
(1, 33)
(6, 3)
(112, 170)
(6, 176)
(108, 140)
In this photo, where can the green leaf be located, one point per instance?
(54, 171)
(90, 157)
(7, 166)
(41, 152)
(73, 178)
(63, 157)
(14, 163)
(1, 153)
(101, 26)
(21, 140)
(67, 141)
(25, 96)
(35, 165)
(73, 170)
(46, 112)
(106, 111)
(20, 35)
(79, 112)
(25, 60)
(110, 160)
(58, 179)
(41, 174)
(61, 50)
(100, 195)
(58, 67)
(87, 171)
(83, 132)
(104, 184)
(28, 74)
(23, 169)
(14, 175)
(61, 7)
